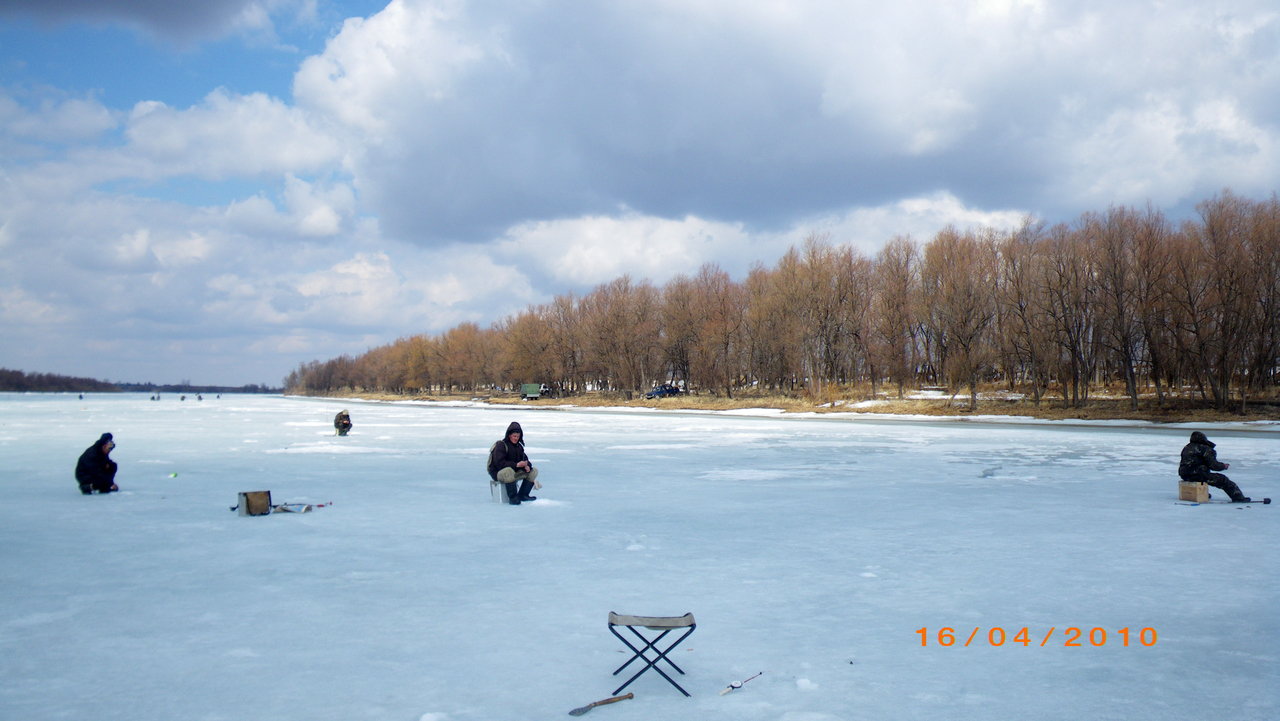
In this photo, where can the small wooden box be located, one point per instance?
(1194, 491)
(255, 503)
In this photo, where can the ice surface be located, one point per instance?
(810, 548)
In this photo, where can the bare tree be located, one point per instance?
(716, 357)
(1023, 320)
(960, 278)
(893, 311)
(1071, 305)
(1227, 321)
(1263, 363)
(1114, 242)
(564, 325)
(622, 332)
(772, 331)
(527, 355)
(1152, 265)
(680, 327)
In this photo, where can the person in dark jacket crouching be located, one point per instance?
(95, 471)
(509, 464)
(342, 423)
(1199, 460)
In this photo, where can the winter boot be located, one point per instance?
(512, 497)
(525, 487)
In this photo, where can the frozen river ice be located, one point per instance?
(813, 549)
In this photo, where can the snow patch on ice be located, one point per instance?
(39, 619)
(336, 448)
(745, 474)
(805, 684)
(652, 446)
(545, 503)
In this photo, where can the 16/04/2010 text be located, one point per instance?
(1071, 637)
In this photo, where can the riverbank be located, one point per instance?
(918, 403)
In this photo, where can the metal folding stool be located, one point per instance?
(665, 624)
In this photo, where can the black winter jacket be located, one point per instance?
(1198, 458)
(504, 453)
(95, 468)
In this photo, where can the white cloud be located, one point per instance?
(318, 210)
(141, 250)
(132, 248)
(256, 216)
(594, 249)
(375, 69)
(589, 250)
(227, 136)
(18, 307)
(55, 119)
(1159, 149)
(186, 250)
(402, 287)
(869, 228)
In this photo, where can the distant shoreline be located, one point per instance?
(910, 411)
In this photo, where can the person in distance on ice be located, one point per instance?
(1199, 460)
(95, 471)
(509, 464)
(342, 423)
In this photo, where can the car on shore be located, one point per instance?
(534, 391)
(662, 391)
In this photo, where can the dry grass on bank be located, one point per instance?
(849, 401)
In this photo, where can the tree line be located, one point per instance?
(1121, 298)
(23, 382)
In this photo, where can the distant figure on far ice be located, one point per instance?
(508, 464)
(95, 471)
(1199, 460)
(342, 423)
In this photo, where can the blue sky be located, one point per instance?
(220, 191)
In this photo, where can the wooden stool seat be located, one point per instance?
(1194, 491)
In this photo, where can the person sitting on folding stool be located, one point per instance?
(509, 464)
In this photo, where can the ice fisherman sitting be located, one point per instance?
(509, 464)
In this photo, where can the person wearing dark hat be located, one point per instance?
(342, 423)
(95, 471)
(509, 464)
(1200, 460)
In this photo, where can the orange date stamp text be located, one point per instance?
(1069, 637)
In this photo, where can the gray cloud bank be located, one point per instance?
(164, 18)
